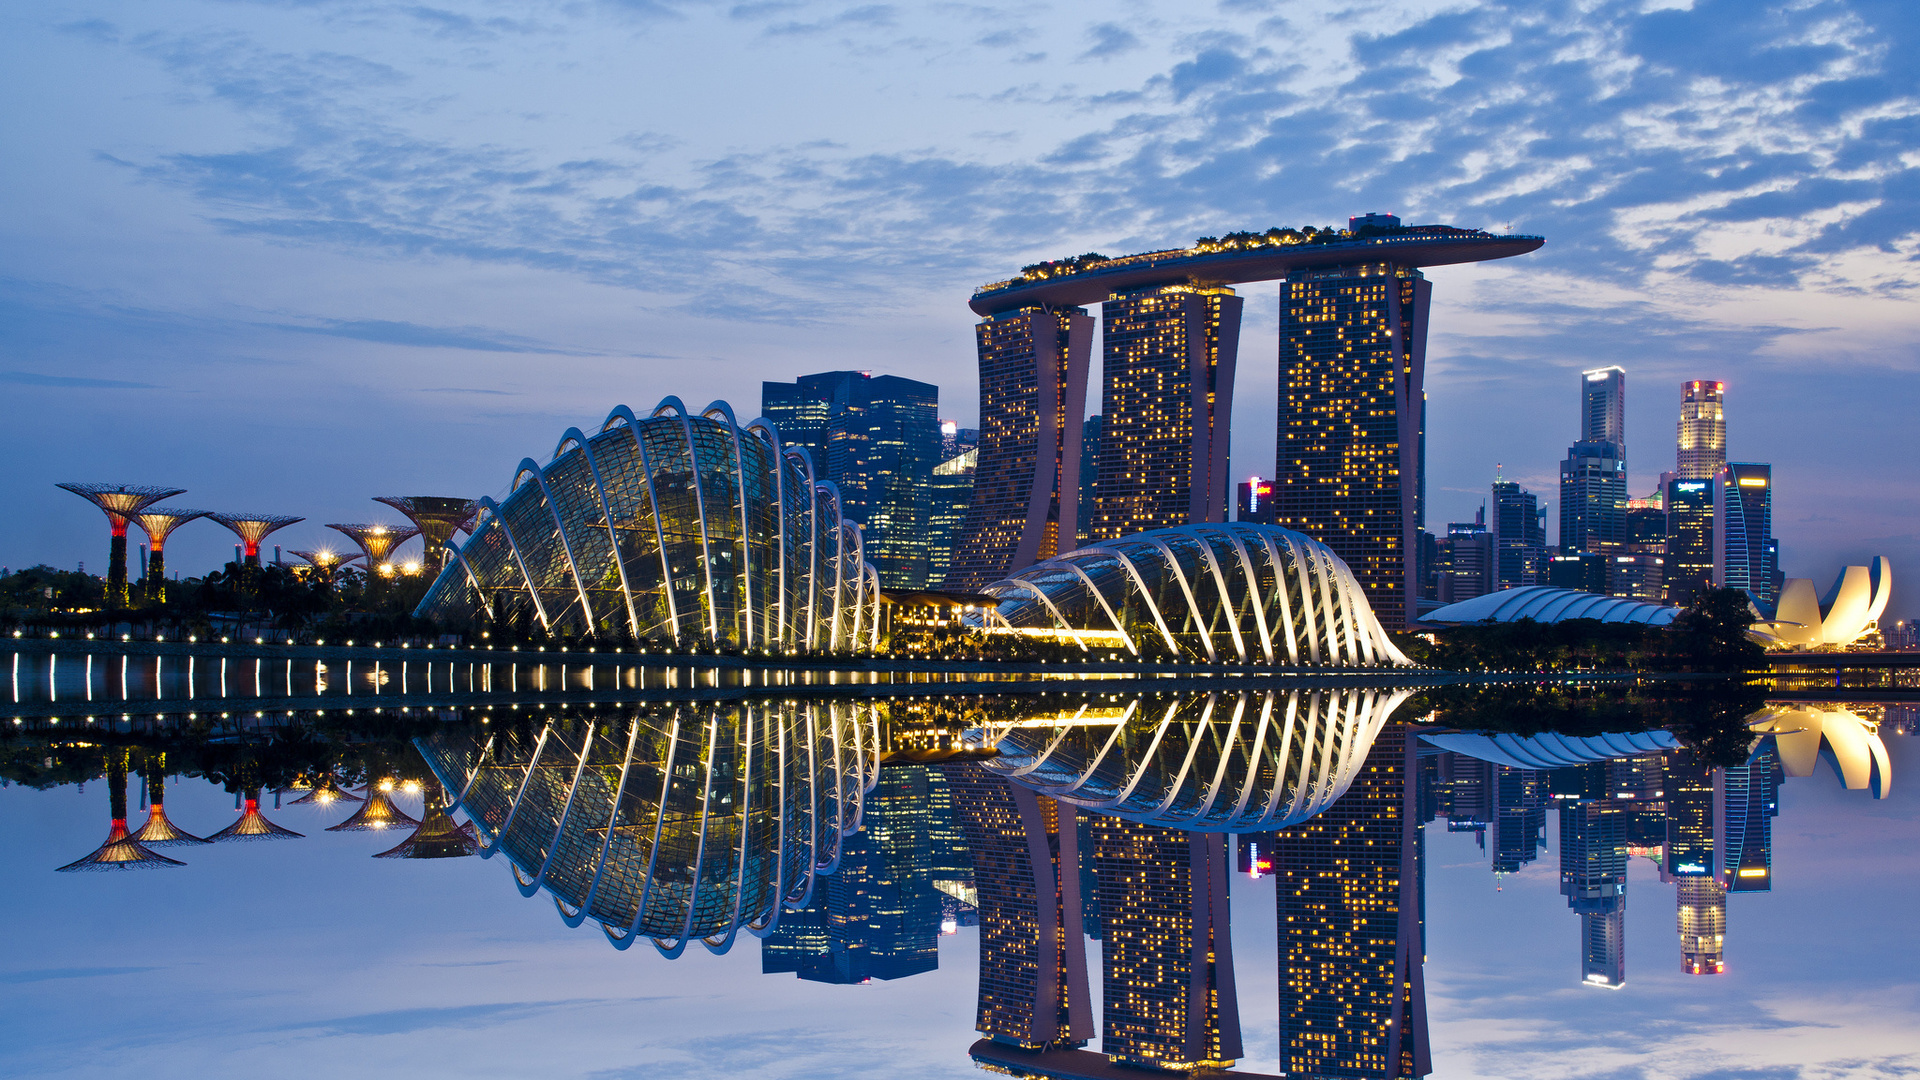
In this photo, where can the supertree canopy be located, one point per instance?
(120, 502)
(158, 524)
(253, 528)
(438, 518)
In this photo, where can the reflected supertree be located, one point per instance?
(253, 825)
(120, 851)
(120, 502)
(377, 812)
(324, 790)
(438, 835)
(160, 831)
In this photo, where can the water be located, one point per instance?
(296, 953)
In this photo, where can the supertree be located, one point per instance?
(121, 851)
(158, 524)
(378, 541)
(325, 563)
(160, 831)
(253, 825)
(378, 812)
(251, 529)
(438, 517)
(437, 837)
(120, 502)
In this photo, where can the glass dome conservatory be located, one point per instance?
(674, 525)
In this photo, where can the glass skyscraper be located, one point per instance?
(1744, 553)
(1593, 878)
(1519, 538)
(1033, 396)
(1353, 342)
(1603, 405)
(1689, 558)
(1167, 364)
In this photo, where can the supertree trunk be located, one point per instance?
(156, 576)
(117, 570)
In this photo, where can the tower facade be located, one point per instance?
(1603, 405)
(1593, 497)
(1033, 394)
(1352, 393)
(1703, 430)
(1348, 903)
(1744, 553)
(1168, 994)
(1593, 878)
(1168, 357)
(1690, 539)
(1519, 539)
(1033, 961)
(1702, 919)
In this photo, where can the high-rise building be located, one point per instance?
(1466, 558)
(1255, 502)
(1033, 960)
(1746, 799)
(1703, 430)
(1744, 551)
(1167, 364)
(878, 915)
(1702, 918)
(1689, 558)
(1519, 537)
(1638, 577)
(1033, 395)
(1647, 524)
(1603, 406)
(877, 440)
(1169, 998)
(1518, 817)
(956, 440)
(1689, 797)
(1348, 893)
(1593, 497)
(1090, 434)
(1593, 878)
(949, 491)
(1353, 343)
(1585, 571)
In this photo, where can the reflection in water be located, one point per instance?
(1214, 763)
(847, 835)
(683, 824)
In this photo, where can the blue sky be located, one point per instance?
(293, 255)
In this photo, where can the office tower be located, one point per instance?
(798, 942)
(1427, 552)
(877, 440)
(1702, 919)
(1519, 817)
(1744, 552)
(1640, 778)
(1089, 881)
(1703, 430)
(1593, 497)
(800, 410)
(1348, 887)
(1689, 559)
(1689, 798)
(1585, 571)
(1603, 406)
(1169, 999)
(950, 861)
(1467, 560)
(1647, 524)
(1519, 537)
(1033, 961)
(1746, 799)
(949, 491)
(1593, 878)
(1033, 394)
(956, 440)
(1353, 342)
(1255, 502)
(1167, 364)
(1090, 433)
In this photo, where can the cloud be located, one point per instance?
(52, 974)
(408, 1021)
(1109, 40)
(387, 332)
(29, 378)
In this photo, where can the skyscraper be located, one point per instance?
(1167, 364)
(1169, 998)
(1033, 961)
(877, 440)
(1090, 432)
(1519, 538)
(1744, 552)
(1353, 346)
(1702, 919)
(1518, 818)
(1690, 538)
(949, 492)
(1255, 501)
(1033, 394)
(1593, 878)
(1467, 561)
(1348, 887)
(1603, 406)
(1703, 430)
(1593, 497)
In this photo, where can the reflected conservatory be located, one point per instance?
(1234, 591)
(679, 526)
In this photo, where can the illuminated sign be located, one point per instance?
(1691, 868)
(1596, 376)
(1753, 873)
(1752, 481)
(1692, 485)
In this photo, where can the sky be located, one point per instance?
(255, 956)
(292, 255)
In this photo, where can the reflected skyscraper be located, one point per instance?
(1702, 920)
(1593, 878)
(1518, 817)
(1168, 993)
(1033, 961)
(1348, 905)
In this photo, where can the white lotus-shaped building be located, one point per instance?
(1852, 745)
(1852, 607)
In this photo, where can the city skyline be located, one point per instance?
(214, 251)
